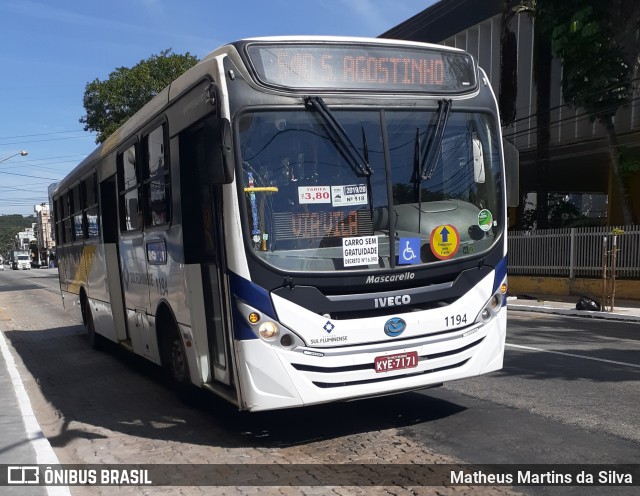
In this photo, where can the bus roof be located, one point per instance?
(164, 97)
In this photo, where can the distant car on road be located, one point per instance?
(21, 260)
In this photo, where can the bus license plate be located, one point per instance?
(396, 362)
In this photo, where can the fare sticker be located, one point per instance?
(313, 194)
(444, 241)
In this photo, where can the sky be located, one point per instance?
(51, 49)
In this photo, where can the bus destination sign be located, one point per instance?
(353, 67)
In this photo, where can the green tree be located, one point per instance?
(10, 225)
(598, 54)
(111, 102)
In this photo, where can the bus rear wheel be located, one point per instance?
(95, 340)
(178, 367)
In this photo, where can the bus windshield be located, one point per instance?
(434, 185)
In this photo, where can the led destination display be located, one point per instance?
(315, 66)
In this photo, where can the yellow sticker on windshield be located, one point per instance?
(444, 241)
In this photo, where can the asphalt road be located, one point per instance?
(582, 372)
(29, 279)
(568, 393)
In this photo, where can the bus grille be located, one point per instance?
(381, 379)
(377, 312)
(370, 366)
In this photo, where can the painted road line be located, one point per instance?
(574, 356)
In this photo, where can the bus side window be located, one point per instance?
(91, 211)
(129, 191)
(157, 186)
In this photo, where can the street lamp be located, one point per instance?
(22, 153)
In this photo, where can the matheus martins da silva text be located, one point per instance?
(529, 477)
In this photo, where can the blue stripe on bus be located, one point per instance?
(252, 295)
(500, 274)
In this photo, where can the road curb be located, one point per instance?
(574, 313)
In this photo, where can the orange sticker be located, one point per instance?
(444, 241)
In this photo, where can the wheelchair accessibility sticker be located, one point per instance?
(409, 251)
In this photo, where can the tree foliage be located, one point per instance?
(560, 211)
(596, 75)
(111, 102)
(598, 47)
(10, 225)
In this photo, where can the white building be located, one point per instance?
(24, 238)
(45, 240)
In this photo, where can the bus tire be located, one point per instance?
(178, 362)
(174, 357)
(95, 340)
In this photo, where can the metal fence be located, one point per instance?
(574, 252)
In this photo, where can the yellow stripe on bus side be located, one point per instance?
(83, 269)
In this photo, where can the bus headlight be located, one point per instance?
(268, 330)
(286, 340)
(491, 308)
(495, 302)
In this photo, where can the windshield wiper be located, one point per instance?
(430, 161)
(424, 165)
(417, 177)
(339, 135)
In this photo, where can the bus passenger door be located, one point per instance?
(109, 211)
(212, 284)
(133, 265)
(203, 240)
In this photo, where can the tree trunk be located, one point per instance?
(618, 183)
(542, 76)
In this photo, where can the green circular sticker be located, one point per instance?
(485, 219)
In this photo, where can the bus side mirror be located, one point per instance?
(223, 171)
(478, 161)
(512, 173)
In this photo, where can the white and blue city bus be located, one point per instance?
(296, 221)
